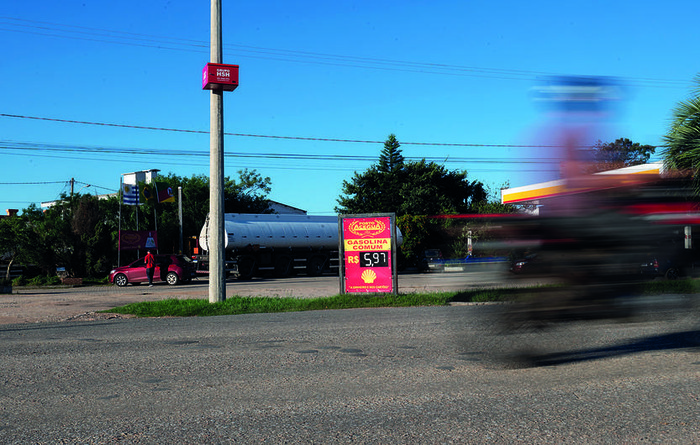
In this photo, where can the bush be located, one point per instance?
(19, 281)
(43, 280)
(102, 280)
(416, 231)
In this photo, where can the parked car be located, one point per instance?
(173, 269)
(431, 260)
(656, 267)
(526, 265)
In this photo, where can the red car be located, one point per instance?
(173, 269)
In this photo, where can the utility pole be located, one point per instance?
(179, 214)
(217, 272)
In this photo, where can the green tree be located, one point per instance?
(621, 153)
(417, 232)
(408, 188)
(427, 188)
(15, 240)
(390, 159)
(93, 222)
(78, 232)
(56, 242)
(682, 141)
(246, 194)
(413, 190)
(81, 232)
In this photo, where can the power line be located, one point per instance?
(32, 183)
(96, 186)
(298, 138)
(286, 166)
(31, 146)
(159, 42)
(55, 182)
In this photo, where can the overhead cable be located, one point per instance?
(50, 29)
(301, 138)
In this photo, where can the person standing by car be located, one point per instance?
(150, 267)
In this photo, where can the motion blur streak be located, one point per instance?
(599, 235)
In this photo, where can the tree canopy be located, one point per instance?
(408, 187)
(14, 238)
(247, 194)
(682, 141)
(621, 153)
(80, 232)
(390, 159)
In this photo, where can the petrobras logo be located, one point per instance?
(366, 228)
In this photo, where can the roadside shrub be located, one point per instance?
(43, 280)
(36, 281)
(19, 281)
(95, 281)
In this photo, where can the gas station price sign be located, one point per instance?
(374, 259)
(367, 246)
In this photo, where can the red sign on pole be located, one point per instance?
(368, 259)
(220, 76)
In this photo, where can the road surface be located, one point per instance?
(368, 376)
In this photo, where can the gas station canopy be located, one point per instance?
(536, 193)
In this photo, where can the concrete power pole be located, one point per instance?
(217, 265)
(179, 215)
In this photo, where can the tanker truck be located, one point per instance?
(279, 244)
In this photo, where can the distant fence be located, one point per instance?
(15, 271)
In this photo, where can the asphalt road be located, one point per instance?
(380, 376)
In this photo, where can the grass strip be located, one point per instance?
(658, 287)
(237, 305)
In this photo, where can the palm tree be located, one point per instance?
(682, 142)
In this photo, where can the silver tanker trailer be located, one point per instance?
(278, 244)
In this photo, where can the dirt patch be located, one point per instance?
(68, 303)
(65, 303)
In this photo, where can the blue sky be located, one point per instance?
(440, 72)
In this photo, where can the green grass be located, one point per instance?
(256, 305)
(686, 286)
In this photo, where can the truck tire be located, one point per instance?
(315, 266)
(283, 266)
(246, 267)
(672, 273)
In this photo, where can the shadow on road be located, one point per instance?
(665, 342)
